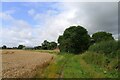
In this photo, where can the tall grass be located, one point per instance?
(101, 61)
(94, 58)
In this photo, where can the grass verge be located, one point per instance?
(66, 65)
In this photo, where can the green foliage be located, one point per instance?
(102, 36)
(109, 65)
(106, 47)
(37, 47)
(14, 48)
(119, 45)
(94, 58)
(45, 45)
(74, 40)
(49, 45)
(53, 45)
(21, 46)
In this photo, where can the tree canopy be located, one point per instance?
(102, 36)
(4, 47)
(75, 39)
(21, 46)
(37, 47)
(49, 45)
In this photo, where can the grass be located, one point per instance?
(73, 69)
(48, 51)
(56, 67)
(67, 65)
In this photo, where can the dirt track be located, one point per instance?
(23, 64)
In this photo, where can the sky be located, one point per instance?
(30, 23)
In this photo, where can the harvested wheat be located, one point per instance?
(23, 64)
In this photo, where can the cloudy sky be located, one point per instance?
(30, 23)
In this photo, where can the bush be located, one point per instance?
(119, 45)
(94, 58)
(101, 60)
(106, 47)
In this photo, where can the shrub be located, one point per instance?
(106, 47)
(94, 58)
(119, 45)
(113, 63)
(101, 60)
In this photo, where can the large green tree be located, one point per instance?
(21, 46)
(75, 39)
(4, 47)
(102, 36)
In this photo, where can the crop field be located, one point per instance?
(23, 64)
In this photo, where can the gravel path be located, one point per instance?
(23, 64)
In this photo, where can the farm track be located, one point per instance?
(56, 67)
(23, 64)
(62, 67)
(69, 66)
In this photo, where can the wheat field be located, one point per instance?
(23, 64)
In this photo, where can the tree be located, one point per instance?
(75, 39)
(53, 45)
(4, 47)
(49, 45)
(102, 36)
(45, 45)
(37, 47)
(21, 46)
(14, 47)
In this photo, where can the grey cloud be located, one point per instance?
(99, 16)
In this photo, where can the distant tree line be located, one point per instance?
(46, 45)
